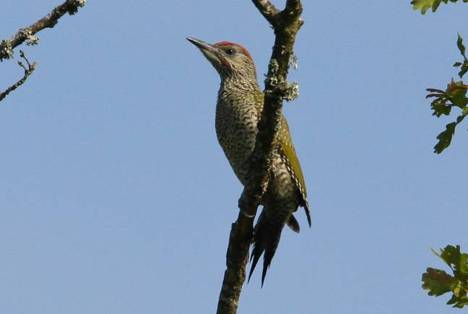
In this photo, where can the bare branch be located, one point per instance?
(28, 70)
(28, 33)
(267, 9)
(285, 24)
(293, 7)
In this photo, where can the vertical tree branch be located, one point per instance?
(286, 24)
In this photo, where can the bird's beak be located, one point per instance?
(211, 52)
(201, 44)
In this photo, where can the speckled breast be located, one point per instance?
(236, 129)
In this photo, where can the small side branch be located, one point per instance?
(28, 35)
(286, 25)
(267, 9)
(28, 70)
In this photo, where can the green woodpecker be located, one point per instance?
(239, 107)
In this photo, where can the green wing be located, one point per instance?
(288, 153)
(287, 149)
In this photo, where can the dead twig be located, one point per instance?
(28, 70)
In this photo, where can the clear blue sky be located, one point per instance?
(116, 198)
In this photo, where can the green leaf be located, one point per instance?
(458, 302)
(440, 108)
(445, 138)
(456, 93)
(460, 46)
(463, 69)
(424, 5)
(457, 64)
(437, 281)
(463, 266)
(435, 5)
(450, 255)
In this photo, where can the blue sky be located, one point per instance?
(116, 198)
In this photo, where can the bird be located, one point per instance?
(238, 110)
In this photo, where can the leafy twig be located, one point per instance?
(455, 96)
(437, 282)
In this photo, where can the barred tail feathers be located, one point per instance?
(293, 224)
(307, 211)
(266, 238)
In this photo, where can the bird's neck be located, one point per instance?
(239, 84)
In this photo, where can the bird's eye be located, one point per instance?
(230, 51)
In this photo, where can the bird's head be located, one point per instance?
(229, 59)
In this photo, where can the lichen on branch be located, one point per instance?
(28, 35)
